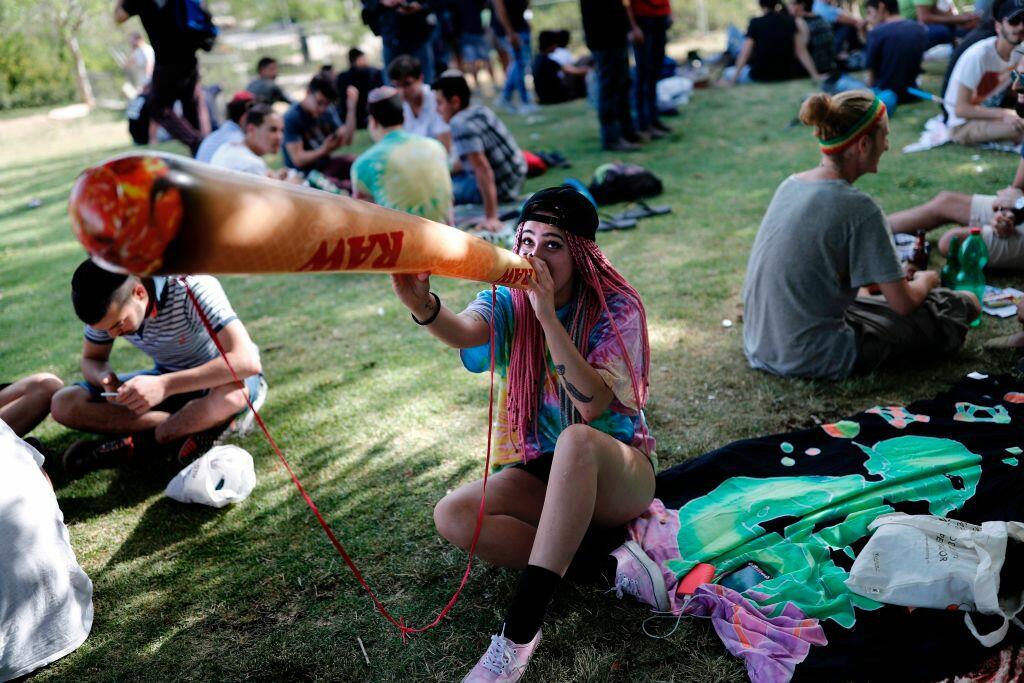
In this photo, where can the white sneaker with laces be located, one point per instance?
(504, 661)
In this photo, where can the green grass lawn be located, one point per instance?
(379, 420)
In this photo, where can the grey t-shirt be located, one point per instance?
(818, 243)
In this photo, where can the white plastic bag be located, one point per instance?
(673, 91)
(926, 561)
(223, 475)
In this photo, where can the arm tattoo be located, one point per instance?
(573, 391)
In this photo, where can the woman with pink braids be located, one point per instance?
(572, 447)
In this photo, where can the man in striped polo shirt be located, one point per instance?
(181, 405)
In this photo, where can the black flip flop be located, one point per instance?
(615, 223)
(645, 210)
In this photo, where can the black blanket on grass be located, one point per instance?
(798, 505)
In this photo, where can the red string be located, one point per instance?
(400, 622)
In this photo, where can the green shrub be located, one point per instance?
(33, 73)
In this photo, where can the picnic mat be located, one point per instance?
(798, 505)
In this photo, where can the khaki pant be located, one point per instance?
(1003, 252)
(938, 327)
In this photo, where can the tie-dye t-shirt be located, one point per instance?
(406, 172)
(621, 420)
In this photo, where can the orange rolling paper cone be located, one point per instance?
(160, 214)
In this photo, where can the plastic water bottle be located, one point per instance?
(952, 265)
(321, 182)
(973, 257)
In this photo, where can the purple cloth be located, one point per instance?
(770, 646)
(656, 531)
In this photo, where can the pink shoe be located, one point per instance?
(504, 661)
(638, 575)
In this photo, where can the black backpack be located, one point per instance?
(618, 182)
(195, 23)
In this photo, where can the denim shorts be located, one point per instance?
(474, 48)
(171, 404)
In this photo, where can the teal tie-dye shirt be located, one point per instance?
(406, 172)
(621, 420)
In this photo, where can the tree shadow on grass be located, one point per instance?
(163, 524)
(128, 487)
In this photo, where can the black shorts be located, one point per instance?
(541, 467)
(538, 467)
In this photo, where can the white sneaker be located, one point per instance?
(243, 424)
(505, 105)
(504, 661)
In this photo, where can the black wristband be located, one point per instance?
(432, 318)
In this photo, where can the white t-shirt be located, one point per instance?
(983, 71)
(238, 157)
(140, 65)
(45, 597)
(562, 56)
(429, 123)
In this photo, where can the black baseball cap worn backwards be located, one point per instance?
(564, 208)
(1009, 9)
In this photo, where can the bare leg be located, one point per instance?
(26, 403)
(511, 514)
(489, 68)
(945, 207)
(594, 479)
(72, 408)
(949, 235)
(216, 407)
(1016, 340)
(205, 125)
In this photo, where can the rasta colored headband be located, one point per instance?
(864, 124)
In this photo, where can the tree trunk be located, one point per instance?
(81, 75)
(702, 17)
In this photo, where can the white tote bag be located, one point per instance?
(223, 475)
(926, 561)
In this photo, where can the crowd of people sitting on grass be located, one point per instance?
(825, 295)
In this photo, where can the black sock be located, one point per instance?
(609, 568)
(144, 442)
(145, 445)
(536, 588)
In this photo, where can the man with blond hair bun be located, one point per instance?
(822, 241)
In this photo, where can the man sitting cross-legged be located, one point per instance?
(186, 401)
(491, 168)
(313, 131)
(975, 91)
(993, 213)
(262, 136)
(402, 171)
